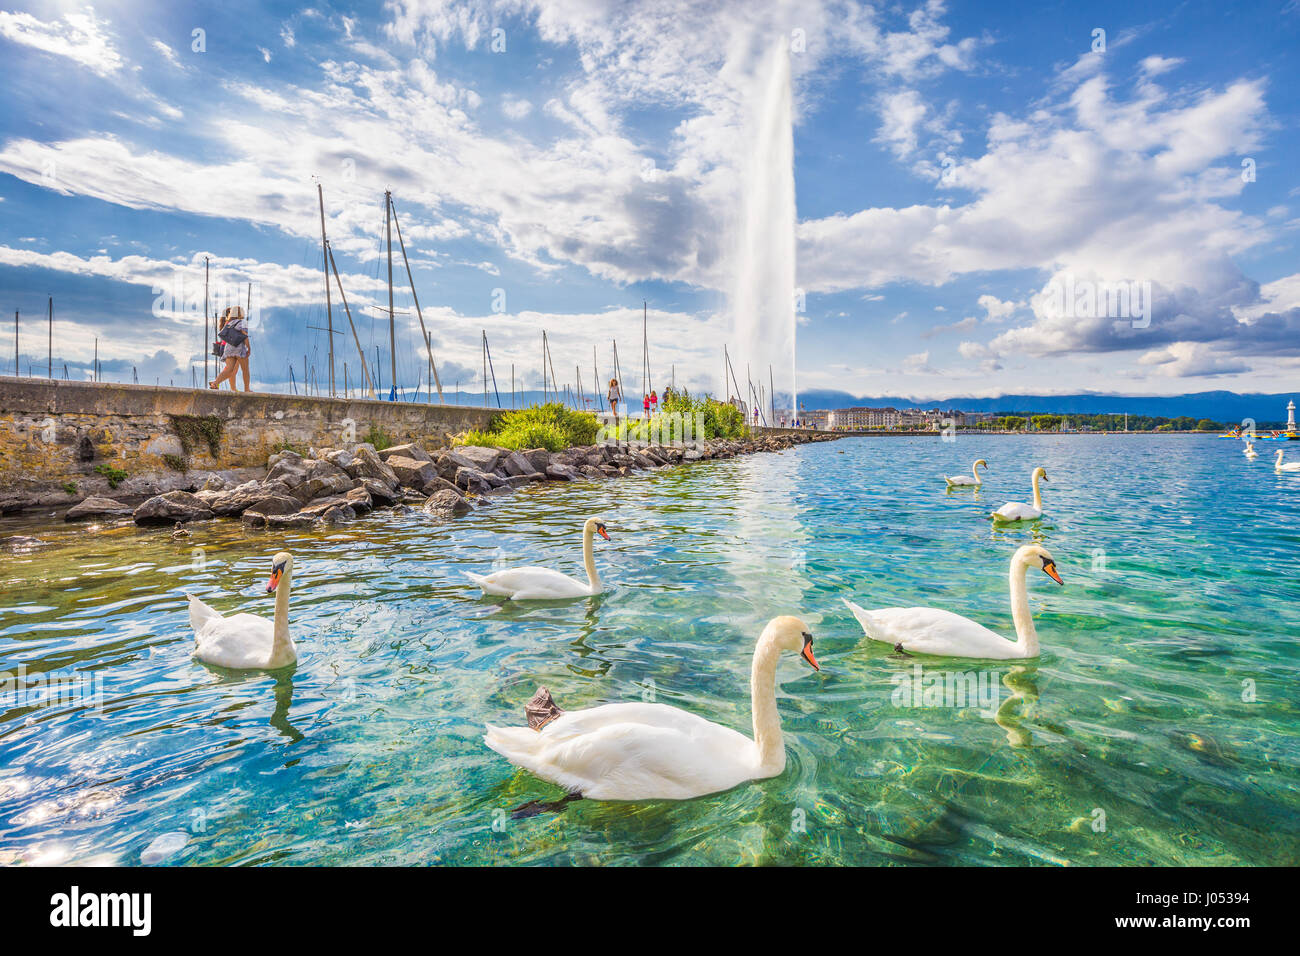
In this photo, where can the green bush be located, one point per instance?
(550, 426)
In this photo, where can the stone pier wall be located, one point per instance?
(60, 441)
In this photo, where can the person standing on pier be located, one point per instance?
(615, 395)
(645, 405)
(654, 403)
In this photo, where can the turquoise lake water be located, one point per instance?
(1159, 726)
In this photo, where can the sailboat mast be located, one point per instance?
(325, 270)
(392, 322)
(206, 350)
(51, 342)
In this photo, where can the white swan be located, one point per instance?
(1249, 450)
(247, 641)
(543, 584)
(639, 751)
(928, 630)
(1288, 467)
(1018, 510)
(961, 481)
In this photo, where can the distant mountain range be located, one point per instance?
(1218, 406)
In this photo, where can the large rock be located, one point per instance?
(274, 504)
(560, 473)
(97, 506)
(323, 478)
(240, 498)
(446, 504)
(255, 519)
(410, 450)
(471, 479)
(516, 463)
(367, 464)
(381, 492)
(412, 472)
(539, 458)
(476, 456)
(288, 468)
(171, 508)
(359, 500)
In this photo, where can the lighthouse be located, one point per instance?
(1290, 420)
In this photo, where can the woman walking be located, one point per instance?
(615, 395)
(645, 405)
(232, 334)
(654, 403)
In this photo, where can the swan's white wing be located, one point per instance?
(959, 479)
(242, 641)
(531, 583)
(929, 630)
(1017, 511)
(631, 752)
(201, 614)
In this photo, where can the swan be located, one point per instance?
(1249, 450)
(1288, 467)
(928, 630)
(1018, 510)
(639, 751)
(543, 584)
(247, 641)
(961, 481)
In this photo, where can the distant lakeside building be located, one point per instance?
(860, 418)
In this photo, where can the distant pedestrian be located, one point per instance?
(232, 334)
(615, 395)
(654, 402)
(645, 405)
(755, 414)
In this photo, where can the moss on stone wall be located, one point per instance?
(195, 430)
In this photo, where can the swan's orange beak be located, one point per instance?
(807, 652)
(600, 529)
(1049, 568)
(272, 584)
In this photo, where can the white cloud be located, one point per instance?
(79, 36)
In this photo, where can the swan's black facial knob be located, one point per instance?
(600, 529)
(807, 652)
(276, 572)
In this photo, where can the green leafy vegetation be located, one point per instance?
(1109, 422)
(115, 476)
(551, 426)
(378, 438)
(679, 418)
(176, 463)
(70, 487)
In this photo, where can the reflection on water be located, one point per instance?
(1158, 726)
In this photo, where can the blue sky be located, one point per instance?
(555, 163)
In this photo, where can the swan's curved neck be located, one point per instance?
(589, 559)
(975, 470)
(767, 720)
(1026, 636)
(280, 644)
(1038, 501)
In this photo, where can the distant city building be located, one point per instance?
(861, 418)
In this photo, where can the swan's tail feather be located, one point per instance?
(485, 585)
(865, 619)
(516, 744)
(200, 614)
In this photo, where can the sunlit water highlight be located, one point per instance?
(1179, 556)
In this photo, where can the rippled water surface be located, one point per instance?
(1159, 725)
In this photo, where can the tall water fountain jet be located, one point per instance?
(763, 297)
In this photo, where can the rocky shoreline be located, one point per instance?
(331, 486)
